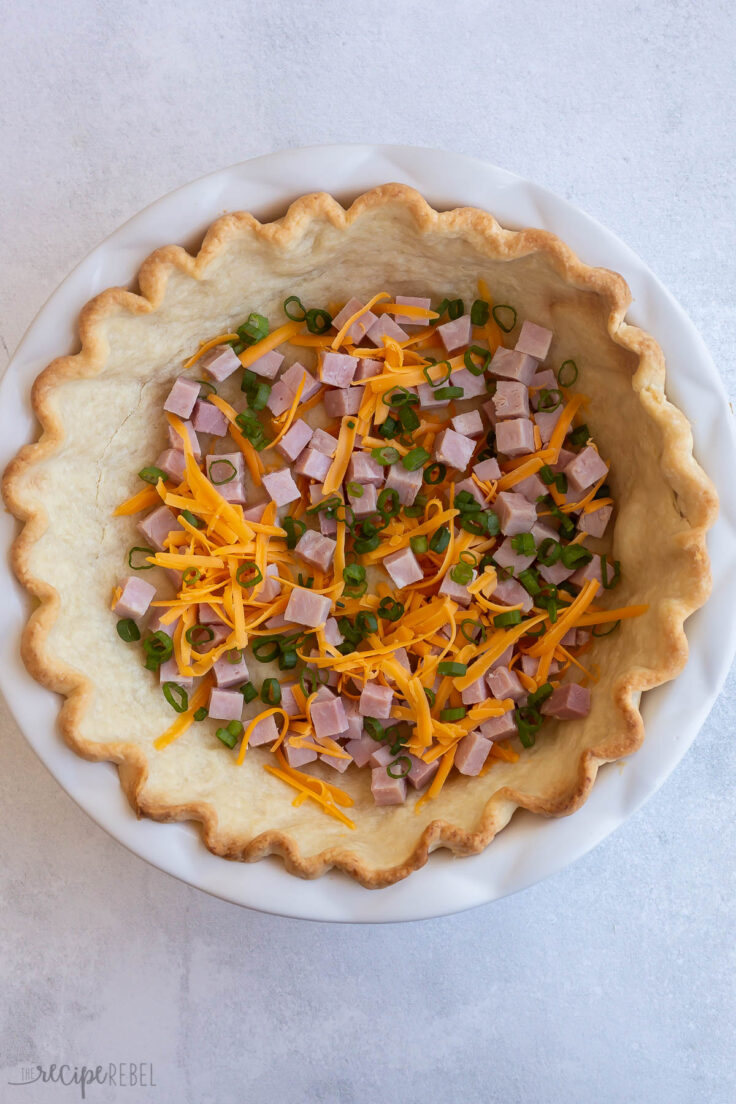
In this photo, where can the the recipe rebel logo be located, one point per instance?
(121, 1075)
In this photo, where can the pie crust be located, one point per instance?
(100, 413)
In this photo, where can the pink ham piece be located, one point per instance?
(368, 368)
(513, 365)
(313, 464)
(453, 449)
(226, 472)
(327, 714)
(570, 702)
(563, 459)
(297, 757)
(332, 676)
(306, 608)
(279, 400)
(327, 525)
(403, 567)
(338, 369)
(515, 513)
(182, 397)
(281, 487)
(407, 484)
(355, 721)
(173, 464)
(294, 375)
(343, 400)
(376, 700)
(270, 588)
(401, 657)
(254, 513)
(412, 301)
(421, 773)
(361, 750)
(543, 381)
(585, 470)
(594, 522)
(324, 442)
(364, 469)
(157, 526)
(469, 424)
(360, 326)
(207, 615)
(315, 549)
(591, 570)
(155, 623)
(337, 762)
(555, 573)
(499, 728)
(231, 669)
(542, 532)
(505, 657)
(268, 365)
(457, 591)
(456, 334)
(365, 503)
(385, 789)
(135, 599)
(295, 439)
(471, 754)
(511, 593)
(474, 387)
(385, 327)
(534, 340)
(332, 633)
(206, 418)
(220, 362)
(428, 398)
(507, 557)
(476, 693)
(225, 705)
(265, 732)
(487, 470)
(515, 437)
(490, 411)
(504, 683)
(532, 488)
(511, 399)
(169, 672)
(471, 488)
(546, 423)
(176, 442)
(530, 664)
(288, 700)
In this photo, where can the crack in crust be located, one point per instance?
(694, 496)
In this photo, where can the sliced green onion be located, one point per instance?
(455, 713)
(574, 555)
(152, 475)
(271, 691)
(244, 568)
(461, 574)
(254, 329)
(288, 659)
(453, 670)
(493, 525)
(374, 728)
(419, 545)
(450, 393)
(385, 455)
(230, 734)
(308, 582)
(258, 399)
(455, 308)
(403, 769)
(195, 637)
(388, 502)
(294, 528)
(318, 320)
(528, 722)
(266, 649)
(580, 435)
(530, 581)
(409, 419)
(442, 379)
(607, 632)
(549, 399)
(523, 544)
(511, 617)
(128, 630)
(389, 428)
(473, 631)
(546, 475)
(417, 507)
(158, 648)
(355, 490)
(567, 373)
(200, 714)
(354, 574)
(439, 539)
(229, 472)
(193, 520)
(479, 312)
(478, 351)
(176, 696)
(430, 695)
(366, 622)
(610, 581)
(191, 576)
(414, 459)
(549, 552)
(390, 610)
(399, 396)
(210, 388)
(366, 544)
(294, 308)
(504, 317)
(434, 474)
(248, 690)
(145, 552)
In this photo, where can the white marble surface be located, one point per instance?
(613, 981)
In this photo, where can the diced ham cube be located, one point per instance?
(220, 362)
(332, 677)
(328, 716)
(365, 503)
(368, 368)
(453, 449)
(542, 532)
(513, 364)
(515, 437)
(297, 757)
(499, 728)
(594, 522)
(265, 732)
(281, 487)
(295, 439)
(231, 669)
(511, 399)
(316, 549)
(487, 470)
(279, 400)
(306, 608)
(546, 423)
(456, 334)
(327, 525)
(412, 301)
(475, 693)
(268, 365)
(313, 464)
(403, 567)
(361, 749)
(376, 700)
(364, 469)
(324, 442)
(428, 397)
(294, 375)
(135, 599)
(157, 526)
(385, 789)
(471, 754)
(421, 773)
(333, 635)
(511, 593)
(402, 658)
(585, 470)
(182, 397)
(381, 756)
(270, 588)
(343, 400)
(563, 459)
(507, 654)
(254, 513)
(489, 410)
(504, 683)
(206, 418)
(456, 591)
(474, 387)
(515, 513)
(225, 705)
(469, 424)
(359, 328)
(288, 700)
(591, 570)
(530, 664)
(385, 327)
(155, 623)
(173, 464)
(176, 442)
(555, 573)
(532, 488)
(226, 472)
(337, 762)
(407, 484)
(169, 672)
(208, 615)
(542, 381)
(507, 557)
(338, 369)
(570, 702)
(471, 488)
(534, 340)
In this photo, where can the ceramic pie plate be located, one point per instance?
(515, 859)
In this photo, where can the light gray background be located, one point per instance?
(611, 982)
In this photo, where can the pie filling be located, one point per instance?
(423, 571)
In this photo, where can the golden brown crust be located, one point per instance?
(695, 497)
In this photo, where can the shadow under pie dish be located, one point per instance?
(103, 418)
